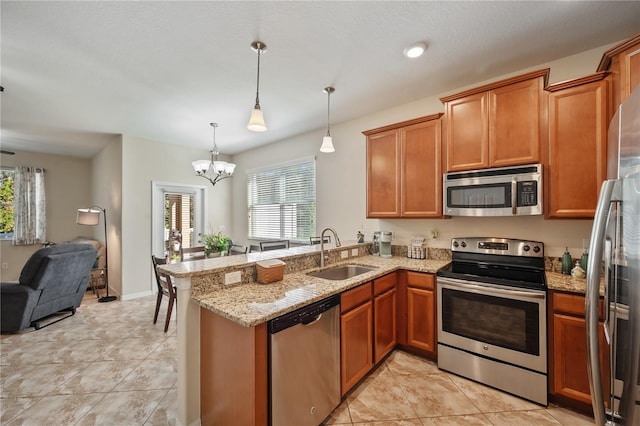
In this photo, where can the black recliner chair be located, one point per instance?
(54, 279)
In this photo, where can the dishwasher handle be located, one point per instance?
(311, 320)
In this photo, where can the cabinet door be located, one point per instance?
(384, 323)
(514, 123)
(421, 319)
(356, 341)
(383, 178)
(569, 359)
(578, 119)
(467, 133)
(421, 175)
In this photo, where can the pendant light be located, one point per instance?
(213, 170)
(327, 142)
(256, 122)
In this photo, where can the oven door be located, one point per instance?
(497, 322)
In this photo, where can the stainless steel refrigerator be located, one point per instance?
(616, 238)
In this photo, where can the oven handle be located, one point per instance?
(486, 289)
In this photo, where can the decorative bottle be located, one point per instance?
(566, 262)
(584, 260)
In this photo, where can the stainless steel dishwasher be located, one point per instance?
(305, 364)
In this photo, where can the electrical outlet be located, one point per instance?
(232, 277)
(354, 252)
(5, 265)
(344, 254)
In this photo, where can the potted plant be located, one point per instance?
(214, 244)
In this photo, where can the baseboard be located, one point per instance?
(136, 295)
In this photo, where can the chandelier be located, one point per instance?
(213, 170)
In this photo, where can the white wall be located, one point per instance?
(106, 192)
(67, 188)
(144, 161)
(341, 177)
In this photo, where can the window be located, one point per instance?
(30, 206)
(6, 203)
(282, 201)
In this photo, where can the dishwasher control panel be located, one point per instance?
(304, 315)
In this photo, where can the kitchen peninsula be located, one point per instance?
(222, 329)
(213, 316)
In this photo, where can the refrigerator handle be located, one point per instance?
(592, 297)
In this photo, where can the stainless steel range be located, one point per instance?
(492, 321)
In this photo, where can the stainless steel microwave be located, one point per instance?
(504, 191)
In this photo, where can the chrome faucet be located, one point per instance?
(335, 235)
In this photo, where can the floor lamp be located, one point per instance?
(91, 216)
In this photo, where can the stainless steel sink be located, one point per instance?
(341, 272)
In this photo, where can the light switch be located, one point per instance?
(354, 252)
(344, 254)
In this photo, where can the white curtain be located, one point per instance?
(29, 204)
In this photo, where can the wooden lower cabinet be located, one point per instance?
(356, 337)
(384, 316)
(233, 375)
(421, 331)
(568, 376)
(418, 308)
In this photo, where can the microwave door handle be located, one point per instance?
(514, 196)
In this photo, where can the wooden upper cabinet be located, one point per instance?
(421, 174)
(496, 125)
(404, 173)
(514, 123)
(623, 61)
(383, 180)
(467, 132)
(579, 113)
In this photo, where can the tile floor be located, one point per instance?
(109, 365)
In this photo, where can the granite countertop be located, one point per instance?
(560, 282)
(253, 304)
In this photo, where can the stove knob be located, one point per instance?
(526, 248)
(463, 244)
(455, 244)
(536, 249)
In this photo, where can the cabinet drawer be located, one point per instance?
(354, 297)
(382, 284)
(420, 280)
(572, 304)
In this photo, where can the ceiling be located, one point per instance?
(75, 73)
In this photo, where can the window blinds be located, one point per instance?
(282, 201)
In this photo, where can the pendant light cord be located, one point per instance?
(328, 111)
(258, 78)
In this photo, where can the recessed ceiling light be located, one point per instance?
(415, 50)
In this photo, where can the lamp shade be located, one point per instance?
(327, 144)
(88, 217)
(201, 166)
(256, 122)
(229, 168)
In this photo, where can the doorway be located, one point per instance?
(178, 213)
